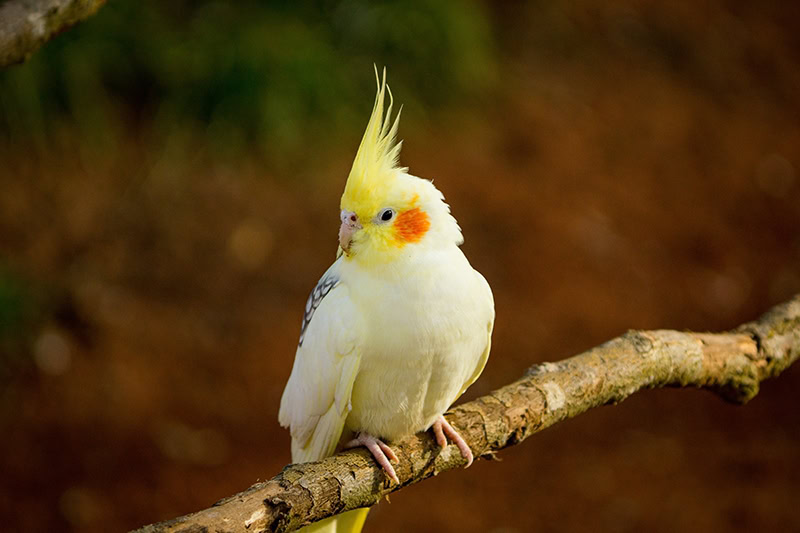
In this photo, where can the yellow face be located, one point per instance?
(377, 234)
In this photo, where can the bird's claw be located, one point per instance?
(382, 453)
(441, 428)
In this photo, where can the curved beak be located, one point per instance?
(350, 224)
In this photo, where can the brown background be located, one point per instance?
(603, 186)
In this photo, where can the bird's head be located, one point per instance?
(387, 213)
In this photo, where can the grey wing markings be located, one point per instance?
(324, 286)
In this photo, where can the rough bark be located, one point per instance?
(730, 364)
(25, 25)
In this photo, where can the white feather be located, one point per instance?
(316, 400)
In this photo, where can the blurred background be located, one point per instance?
(170, 174)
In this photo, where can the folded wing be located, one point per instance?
(316, 400)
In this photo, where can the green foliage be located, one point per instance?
(17, 311)
(12, 303)
(281, 76)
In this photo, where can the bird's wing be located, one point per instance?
(489, 327)
(316, 400)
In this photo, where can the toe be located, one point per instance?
(381, 459)
(388, 451)
(438, 434)
(466, 453)
(458, 440)
(380, 451)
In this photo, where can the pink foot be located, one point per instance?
(441, 428)
(380, 451)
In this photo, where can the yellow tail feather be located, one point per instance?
(349, 522)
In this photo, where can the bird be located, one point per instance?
(396, 329)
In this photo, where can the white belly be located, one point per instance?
(422, 345)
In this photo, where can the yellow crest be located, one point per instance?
(376, 162)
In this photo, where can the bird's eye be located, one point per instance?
(386, 214)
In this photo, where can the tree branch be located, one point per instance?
(25, 25)
(730, 364)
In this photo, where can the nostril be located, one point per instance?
(353, 217)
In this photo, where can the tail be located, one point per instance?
(349, 522)
(322, 444)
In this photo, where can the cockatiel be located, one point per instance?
(396, 329)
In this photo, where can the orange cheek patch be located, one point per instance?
(411, 225)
